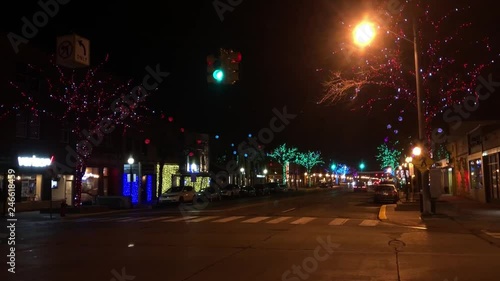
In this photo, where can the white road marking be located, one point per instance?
(289, 210)
(203, 219)
(369, 223)
(131, 219)
(229, 219)
(122, 219)
(303, 220)
(493, 234)
(278, 220)
(156, 219)
(180, 219)
(256, 219)
(338, 221)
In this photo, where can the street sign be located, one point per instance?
(423, 163)
(73, 51)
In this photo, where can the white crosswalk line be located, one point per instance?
(493, 234)
(106, 219)
(121, 219)
(156, 219)
(256, 219)
(338, 221)
(203, 219)
(369, 223)
(278, 220)
(130, 219)
(303, 220)
(229, 219)
(180, 219)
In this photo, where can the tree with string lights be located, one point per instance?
(452, 58)
(308, 160)
(284, 155)
(388, 155)
(91, 101)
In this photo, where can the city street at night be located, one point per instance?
(331, 234)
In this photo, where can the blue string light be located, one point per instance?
(149, 187)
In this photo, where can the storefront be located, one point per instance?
(491, 175)
(32, 180)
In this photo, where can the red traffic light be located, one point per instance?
(170, 119)
(198, 141)
(191, 154)
(147, 141)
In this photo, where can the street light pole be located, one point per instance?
(426, 204)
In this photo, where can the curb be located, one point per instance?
(382, 214)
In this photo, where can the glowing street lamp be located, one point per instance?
(364, 33)
(409, 159)
(417, 151)
(131, 160)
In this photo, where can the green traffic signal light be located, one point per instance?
(362, 166)
(218, 75)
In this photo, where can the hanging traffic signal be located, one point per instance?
(215, 73)
(224, 69)
(218, 75)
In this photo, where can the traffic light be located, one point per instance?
(215, 73)
(230, 62)
(224, 69)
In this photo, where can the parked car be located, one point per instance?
(359, 187)
(230, 190)
(386, 193)
(178, 194)
(282, 188)
(248, 191)
(272, 186)
(261, 190)
(211, 193)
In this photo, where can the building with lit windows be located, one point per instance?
(474, 161)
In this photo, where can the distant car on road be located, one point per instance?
(359, 187)
(386, 193)
(231, 191)
(178, 194)
(211, 193)
(261, 190)
(248, 191)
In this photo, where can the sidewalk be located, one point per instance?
(450, 211)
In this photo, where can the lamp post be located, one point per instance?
(265, 175)
(364, 33)
(409, 161)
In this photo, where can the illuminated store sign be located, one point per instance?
(34, 161)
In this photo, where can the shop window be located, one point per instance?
(493, 168)
(476, 174)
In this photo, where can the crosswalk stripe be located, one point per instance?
(107, 219)
(156, 219)
(369, 223)
(338, 221)
(278, 220)
(122, 219)
(256, 219)
(229, 219)
(130, 219)
(203, 219)
(180, 219)
(493, 234)
(303, 220)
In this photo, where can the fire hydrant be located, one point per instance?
(63, 208)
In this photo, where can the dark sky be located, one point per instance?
(282, 42)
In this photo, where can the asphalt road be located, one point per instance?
(324, 235)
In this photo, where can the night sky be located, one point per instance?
(283, 44)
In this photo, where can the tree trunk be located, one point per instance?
(79, 172)
(284, 173)
(160, 180)
(309, 178)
